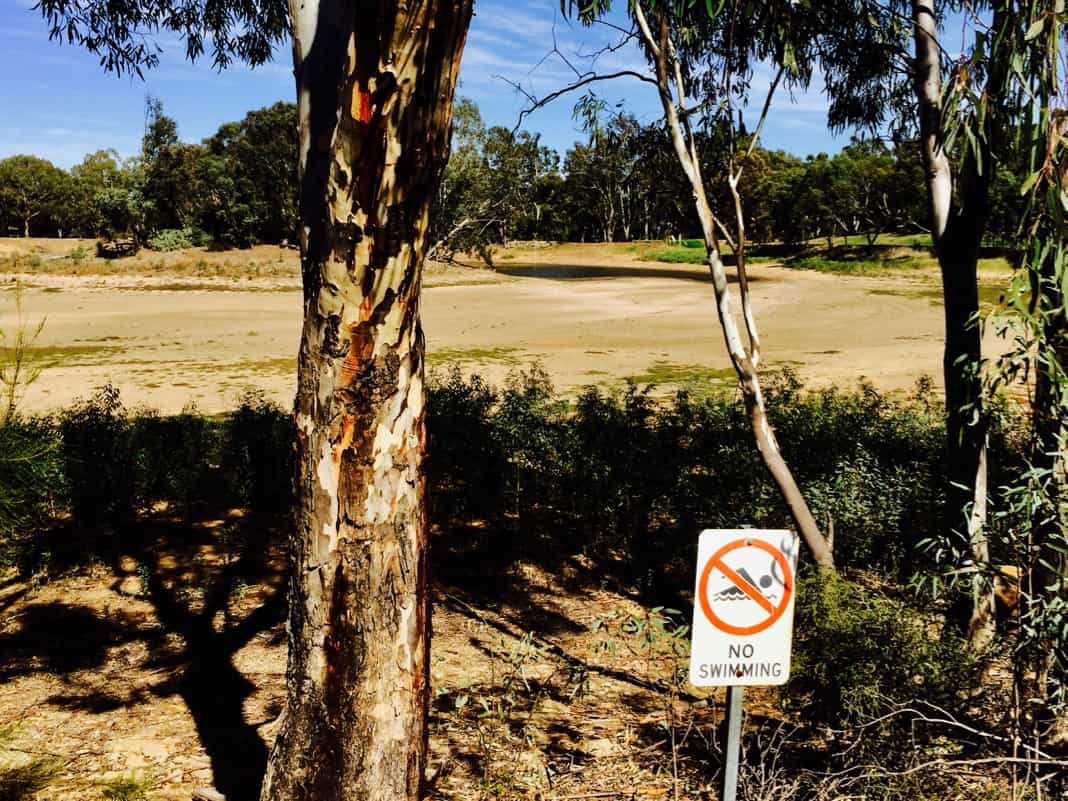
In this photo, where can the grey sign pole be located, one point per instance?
(734, 743)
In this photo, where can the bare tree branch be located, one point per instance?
(733, 179)
(584, 80)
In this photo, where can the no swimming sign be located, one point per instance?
(743, 607)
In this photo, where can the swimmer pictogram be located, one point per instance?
(770, 592)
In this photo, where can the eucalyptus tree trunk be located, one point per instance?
(957, 233)
(375, 84)
(1048, 583)
(744, 359)
(1048, 579)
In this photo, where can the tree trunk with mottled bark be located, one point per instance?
(375, 84)
(956, 233)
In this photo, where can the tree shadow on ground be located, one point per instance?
(217, 584)
(209, 683)
(508, 565)
(190, 574)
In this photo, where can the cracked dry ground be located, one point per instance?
(165, 660)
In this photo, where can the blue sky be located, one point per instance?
(59, 104)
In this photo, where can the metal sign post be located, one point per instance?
(734, 743)
(743, 622)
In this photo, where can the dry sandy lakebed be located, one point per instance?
(589, 314)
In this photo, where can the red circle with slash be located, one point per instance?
(717, 563)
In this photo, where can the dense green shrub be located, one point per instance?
(177, 458)
(175, 239)
(257, 455)
(871, 465)
(99, 462)
(625, 474)
(859, 653)
(639, 475)
(465, 461)
(125, 788)
(117, 464)
(30, 476)
(530, 424)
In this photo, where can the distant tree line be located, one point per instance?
(238, 188)
(623, 184)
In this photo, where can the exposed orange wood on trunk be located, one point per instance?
(361, 105)
(375, 82)
(348, 428)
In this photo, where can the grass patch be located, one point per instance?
(997, 264)
(284, 365)
(697, 379)
(22, 776)
(126, 788)
(931, 294)
(23, 782)
(479, 355)
(842, 262)
(46, 356)
(675, 255)
(917, 241)
(179, 286)
(991, 295)
(890, 253)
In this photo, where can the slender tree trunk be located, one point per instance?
(1049, 566)
(668, 72)
(958, 256)
(375, 85)
(1048, 580)
(957, 234)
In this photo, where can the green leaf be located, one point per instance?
(1035, 29)
(975, 148)
(1016, 63)
(714, 12)
(1029, 182)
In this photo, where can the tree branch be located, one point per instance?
(585, 80)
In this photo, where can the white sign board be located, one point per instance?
(743, 617)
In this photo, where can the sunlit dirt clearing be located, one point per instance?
(589, 314)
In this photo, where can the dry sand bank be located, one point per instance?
(589, 314)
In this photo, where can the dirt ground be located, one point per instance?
(166, 664)
(197, 327)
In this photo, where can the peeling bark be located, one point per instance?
(375, 86)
